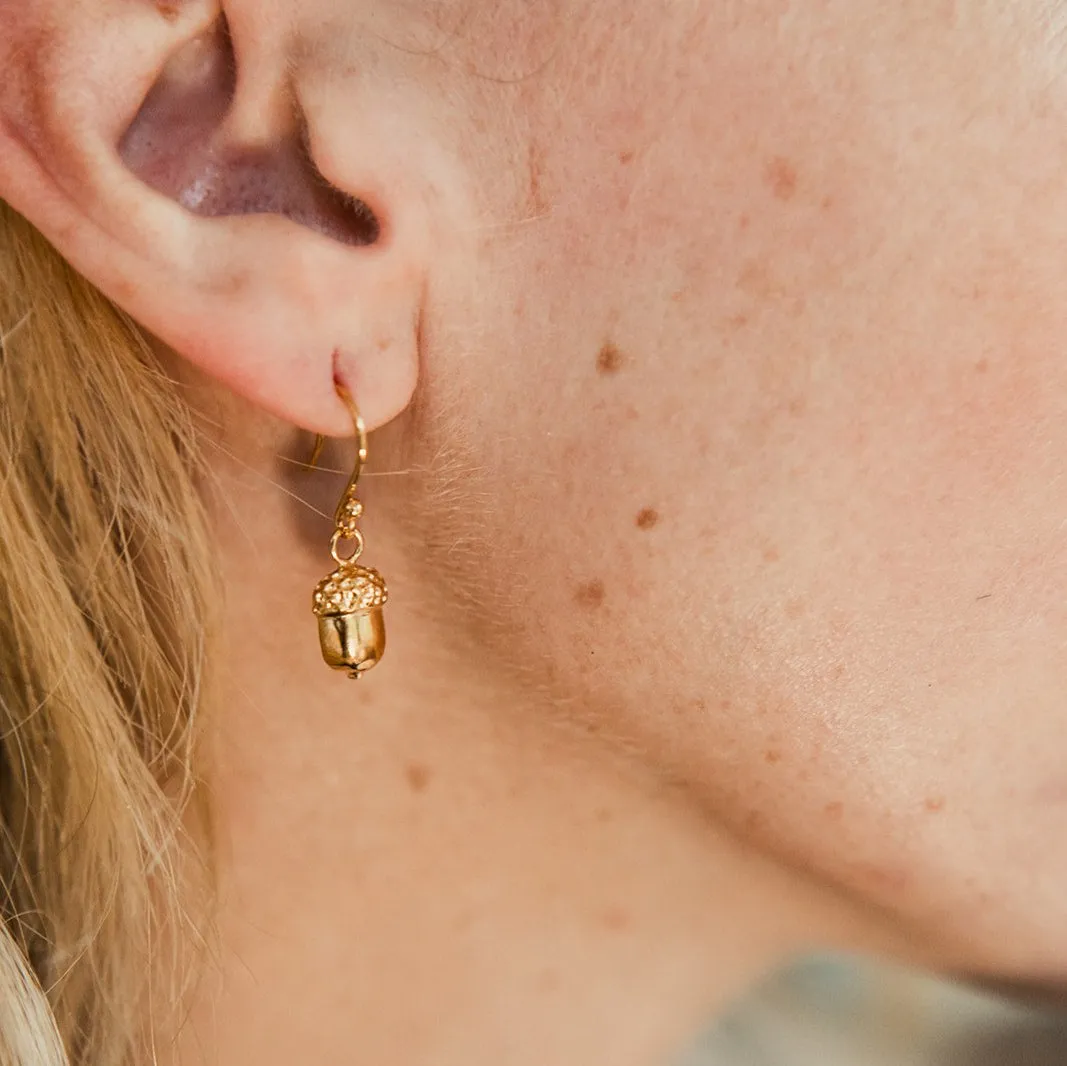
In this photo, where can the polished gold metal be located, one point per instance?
(349, 601)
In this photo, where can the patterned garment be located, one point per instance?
(832, 1012)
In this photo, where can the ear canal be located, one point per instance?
(179, 145)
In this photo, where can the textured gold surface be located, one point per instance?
(349, 588)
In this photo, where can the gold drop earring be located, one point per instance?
(349, 601)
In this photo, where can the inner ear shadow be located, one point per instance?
(178, 144)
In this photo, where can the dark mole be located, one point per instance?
(418, 776)
(781, 176)
(591, 594)
(647, 518)
(609, 360)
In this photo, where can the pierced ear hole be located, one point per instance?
(177, 145)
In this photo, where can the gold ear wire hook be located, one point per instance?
(361, 437)
(361, 441)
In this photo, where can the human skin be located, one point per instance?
(727, 503)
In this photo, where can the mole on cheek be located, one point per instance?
(418, 776)
(647, 518)
(591, 594)
(781, 177)
(609, 360)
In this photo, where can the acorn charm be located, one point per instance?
(349, 606)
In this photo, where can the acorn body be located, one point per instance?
(349, 605)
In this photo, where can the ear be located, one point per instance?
(169, 157)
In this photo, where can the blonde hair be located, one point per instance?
(104, 593)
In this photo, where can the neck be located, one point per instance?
(429, 865)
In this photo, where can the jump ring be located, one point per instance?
(356, 537)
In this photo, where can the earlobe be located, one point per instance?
(224, 242)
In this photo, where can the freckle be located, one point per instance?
(678, 295)
(418, 776)
(604, 815)
(881, 878)
(771, 555)
(755, 280)
(538, 202)
(726, 704)
(699, 704)
(935, 804)
(797, 406)
(632, 414)
(738, 322)
(794, 608)
(591, 594)
(549, 981)
(834, 811)
(981, 366)
(744, 222)
(626, 157)
(772, 757)
(782, 178)
(827, 203)
(647, 518)
(169, 9)
(609, 360)
(616, 919)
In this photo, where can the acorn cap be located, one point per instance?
(348, 589)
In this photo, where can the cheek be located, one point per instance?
(773, 492)
(833, 614)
